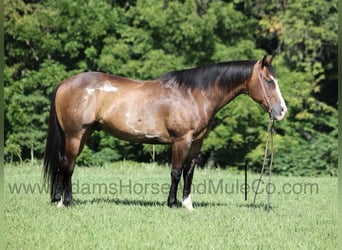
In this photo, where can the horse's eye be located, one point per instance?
(270, 81)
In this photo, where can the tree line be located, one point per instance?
(48, 41)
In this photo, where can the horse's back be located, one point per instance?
(94, 79)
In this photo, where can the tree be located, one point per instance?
(48, 41)
(304, 34)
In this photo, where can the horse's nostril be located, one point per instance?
(283, 109)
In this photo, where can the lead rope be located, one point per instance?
(270, 131)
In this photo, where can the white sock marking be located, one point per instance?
(187, 203)
(60, 203)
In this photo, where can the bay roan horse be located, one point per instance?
(177, 108)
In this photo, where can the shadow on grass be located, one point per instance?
(209, 204)
(144, 203)
(117, 201)
(260, 205)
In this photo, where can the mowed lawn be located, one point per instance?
(123, 206)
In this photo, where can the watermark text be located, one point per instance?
(129, 186)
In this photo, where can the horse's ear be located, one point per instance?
(263, 62)
(271, 59)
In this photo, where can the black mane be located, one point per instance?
(226, 74)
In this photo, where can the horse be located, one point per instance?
(176, 108)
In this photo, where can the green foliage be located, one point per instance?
(48, 41)
(27, 107)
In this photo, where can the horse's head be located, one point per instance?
(264, 89)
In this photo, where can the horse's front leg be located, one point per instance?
(180, 149)
(188, 173)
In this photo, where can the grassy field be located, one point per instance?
(123, 206)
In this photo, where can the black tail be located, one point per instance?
(54, 148)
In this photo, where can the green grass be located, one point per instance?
(135, 219)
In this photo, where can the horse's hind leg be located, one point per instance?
(62, 188)
(63, 177)
(72, 149)
(58, 188)
(58, 184)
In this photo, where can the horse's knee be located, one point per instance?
(176, 174)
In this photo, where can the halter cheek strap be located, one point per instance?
(262, 83)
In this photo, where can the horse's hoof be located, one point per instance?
(68, 202)
(172, 205)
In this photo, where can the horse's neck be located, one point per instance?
(221, 97)
(211, 100)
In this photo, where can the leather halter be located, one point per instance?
(262, 83)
